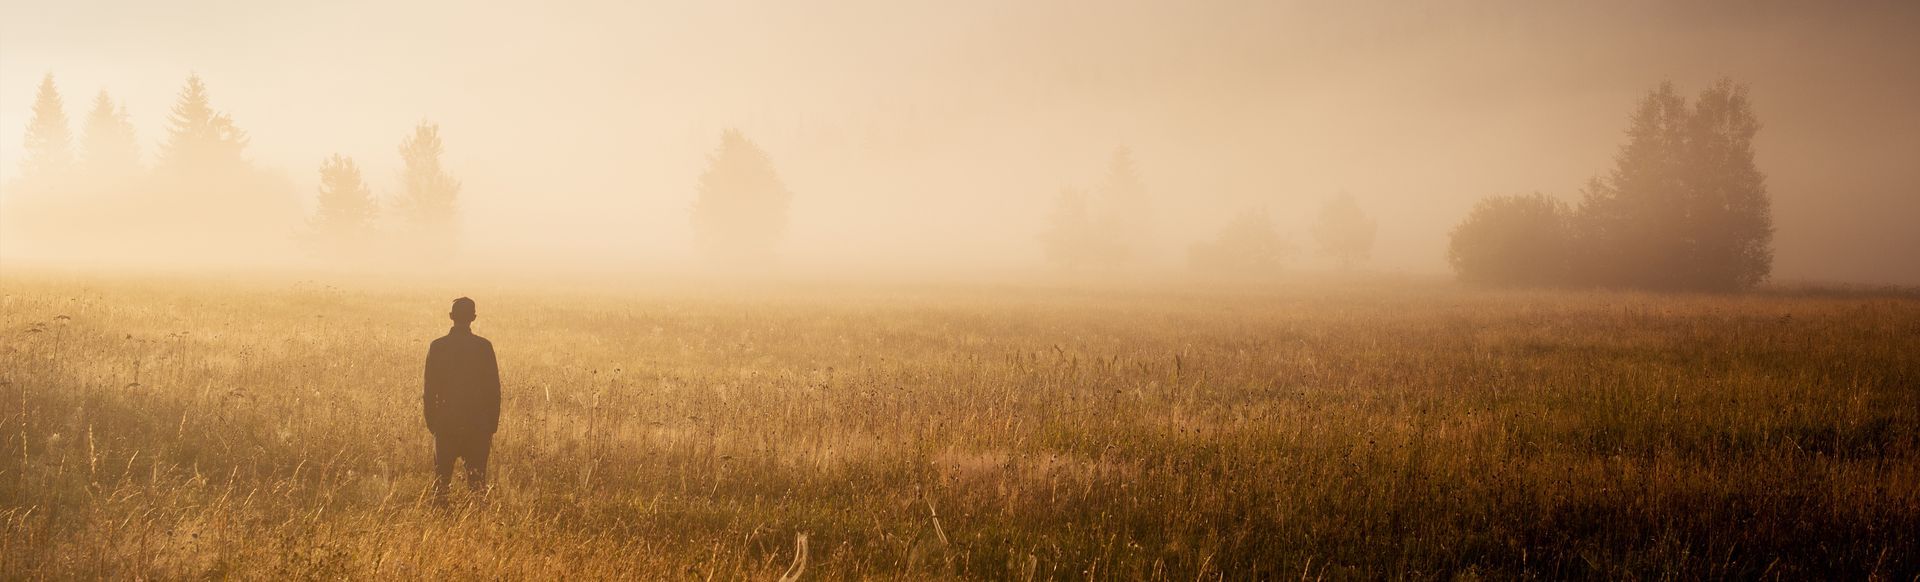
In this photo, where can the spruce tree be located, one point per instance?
(207, 200)
(49, 141)
(199, 138)
(740, 211)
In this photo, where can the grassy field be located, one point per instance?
(174, 429)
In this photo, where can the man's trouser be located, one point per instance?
(450, 446)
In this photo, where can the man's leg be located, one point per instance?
(445, 450)
(478, 449)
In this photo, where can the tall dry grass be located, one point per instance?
(172, 429)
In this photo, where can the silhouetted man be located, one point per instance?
(462, 400)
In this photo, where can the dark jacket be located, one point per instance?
(463, 385)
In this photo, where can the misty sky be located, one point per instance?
(940, 131)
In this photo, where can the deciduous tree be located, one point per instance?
(345, 209)
(430, 195)
(1513, 240)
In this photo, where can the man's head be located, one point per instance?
(462, 310)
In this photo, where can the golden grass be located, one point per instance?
(172, 429)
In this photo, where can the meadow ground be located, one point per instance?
(174, 429)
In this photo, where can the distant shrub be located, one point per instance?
(1514, 240)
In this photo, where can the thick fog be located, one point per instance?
(935, 136)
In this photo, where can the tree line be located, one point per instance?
(202, 195)
(1684, 208)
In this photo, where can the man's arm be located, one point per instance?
(490, 392)
(433, 398)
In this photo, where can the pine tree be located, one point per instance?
(740, 212)
(1344, 231)
(430, 195)
(109, 147)
(49, 143)
(199, 138)
(206, 200)
(345, 209)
